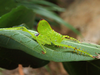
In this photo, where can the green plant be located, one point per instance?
(22, 39)
(19, 47)
(46, 35)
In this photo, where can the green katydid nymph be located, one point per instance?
(46, 35)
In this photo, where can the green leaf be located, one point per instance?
(48, 5)
(83, 67)
(18, 16)
(17, 39)
(6, 6)
(42, 3)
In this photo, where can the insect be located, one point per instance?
(46, 35)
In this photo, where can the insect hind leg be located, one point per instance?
(74, 48)
(71, 38)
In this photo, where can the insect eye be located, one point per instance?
(37, 34)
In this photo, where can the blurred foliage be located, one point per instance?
(83, 67)
(18, 16)
(29, 12)
(10, 58)
(45, 11)
(41, 8)
(6, 6)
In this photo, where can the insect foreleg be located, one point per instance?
(26, 30)
(41, 45)
(33, 36)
